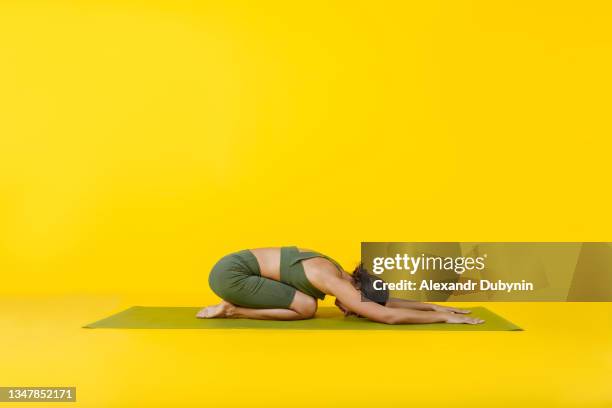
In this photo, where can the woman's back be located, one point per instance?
(269, 260)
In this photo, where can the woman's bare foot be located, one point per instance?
(223, 309)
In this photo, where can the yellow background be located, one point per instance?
(142, 140)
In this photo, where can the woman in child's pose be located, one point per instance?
(284, 284)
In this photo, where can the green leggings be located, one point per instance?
(236, 278)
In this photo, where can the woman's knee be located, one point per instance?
(305, 305)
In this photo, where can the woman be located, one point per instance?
(285, 283)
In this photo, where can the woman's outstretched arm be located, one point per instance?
(351, 298)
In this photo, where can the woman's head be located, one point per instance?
(364, 282)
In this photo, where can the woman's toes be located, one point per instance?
(203, 313)
(223, 309)
(214, 311)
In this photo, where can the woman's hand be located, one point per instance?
(438, 308)
(457, 318)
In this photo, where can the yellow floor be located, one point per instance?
(562, 359)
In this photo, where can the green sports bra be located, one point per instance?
(292, 271)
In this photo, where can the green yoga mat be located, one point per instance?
(327, 318)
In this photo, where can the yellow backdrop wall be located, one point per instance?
(140, 141)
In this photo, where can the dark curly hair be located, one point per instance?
(364, 282)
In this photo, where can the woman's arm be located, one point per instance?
(351, 298)
(413, 304)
